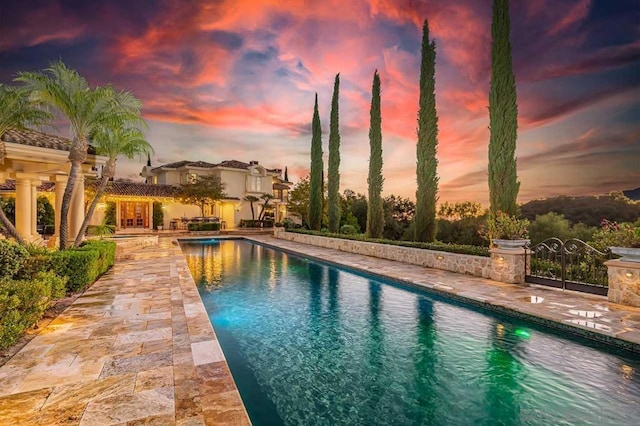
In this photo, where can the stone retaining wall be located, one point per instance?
(478, 266)
(126, 246)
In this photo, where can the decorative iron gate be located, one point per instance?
(571, 265)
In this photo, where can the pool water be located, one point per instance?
(312, 344)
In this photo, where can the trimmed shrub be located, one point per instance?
(348, 229)
(449, 248)
(12, 257)
(206, 226)
(22, 303)
(83, 265)
(106, 250)
(250, 223)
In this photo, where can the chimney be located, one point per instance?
(253, 162)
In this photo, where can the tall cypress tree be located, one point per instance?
(286, 174)
(375, 210)
(315, 192)
(427, 192)
(503, 116)
(334, 162)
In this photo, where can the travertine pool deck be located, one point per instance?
(136, 348)
(582, 314)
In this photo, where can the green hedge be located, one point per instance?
(22, 303)
(83, 265)
(449, 248)
(12, 258)
(205, 226)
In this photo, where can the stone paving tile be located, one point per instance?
(122, 354)
(587, 315)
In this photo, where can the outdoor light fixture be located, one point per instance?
(501, 258)
(439, 257)
(628, 274)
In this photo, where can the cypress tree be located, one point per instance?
(315, 192)
(375, 210)
(503, 116)
(427, 192)
(286, 174)
(334, 162)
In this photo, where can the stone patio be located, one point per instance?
(138, 348)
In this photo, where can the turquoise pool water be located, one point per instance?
(311, 344)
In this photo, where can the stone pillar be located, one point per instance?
(150, 218)
(624, 282)
(118, 214)
(61, 183)
(76, 210)
(24, 211)
(34, 208)
(508, 265)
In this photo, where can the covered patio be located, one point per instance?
(33, 158)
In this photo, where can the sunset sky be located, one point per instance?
(235, 79)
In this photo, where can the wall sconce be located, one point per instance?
(501, 258)
(628, 275)
(439, 257)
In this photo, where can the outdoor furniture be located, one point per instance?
(173, 225)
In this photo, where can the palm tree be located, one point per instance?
(88, 110)
(266, 198)
(127, 141)
(252, 199)
(16, 110)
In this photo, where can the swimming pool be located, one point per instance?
(308, 343)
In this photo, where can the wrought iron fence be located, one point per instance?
(572, 265)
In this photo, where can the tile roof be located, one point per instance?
(38, 139)
(179, 164)
(231, 164)
(234, 164)
(137, 189)
(10, 186)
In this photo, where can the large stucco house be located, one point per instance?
(37, 164)
(134, 200)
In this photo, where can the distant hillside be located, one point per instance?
(633, 194)
(589, 210)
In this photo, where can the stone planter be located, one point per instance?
(629, 254)
(510, 244)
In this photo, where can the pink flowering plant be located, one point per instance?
(502, 226)
(613, 234)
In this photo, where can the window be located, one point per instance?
(256, 184)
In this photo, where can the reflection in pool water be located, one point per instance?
(312, 344)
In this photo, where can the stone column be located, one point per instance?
(24, 211)
(150, 218)
(118, 214)
(508, 265)
(624, 282)
(76, 211)
(61, 183)
(34, 207)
